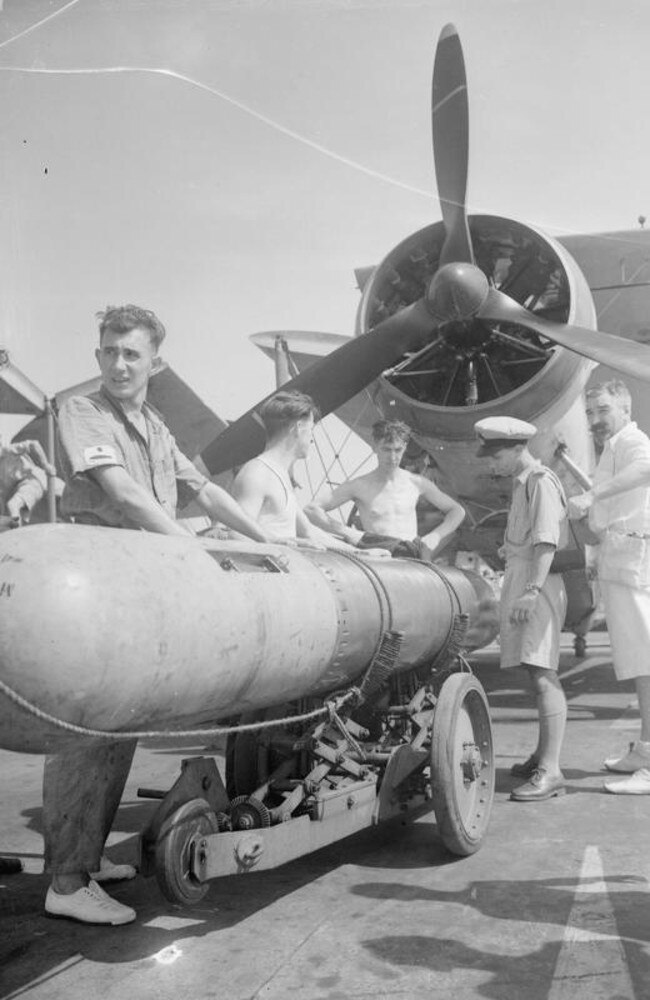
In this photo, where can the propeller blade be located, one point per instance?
(624, 356)
(330, 382)
(450, 128)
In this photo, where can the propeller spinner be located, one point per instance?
(458, 314)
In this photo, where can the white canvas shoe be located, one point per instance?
(636, 758)
(110, 872)
(89, 905)
(635, 784)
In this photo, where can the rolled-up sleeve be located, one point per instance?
(189, 480)
(547, 512)
(187, 472)
(86, 437)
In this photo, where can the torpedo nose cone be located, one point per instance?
(457, 292)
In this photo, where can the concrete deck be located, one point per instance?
(554, 905)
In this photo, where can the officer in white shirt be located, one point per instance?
(618, 508)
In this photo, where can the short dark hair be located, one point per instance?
(391, 431)
(285, 408)
(123, 319)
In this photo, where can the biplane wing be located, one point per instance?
(190, 420)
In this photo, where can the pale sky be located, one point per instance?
(243, 201)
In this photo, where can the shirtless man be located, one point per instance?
(263, 486)
(387, 498)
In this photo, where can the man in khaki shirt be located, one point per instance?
(533, 600)
(122, 469)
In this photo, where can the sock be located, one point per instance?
(552, 711)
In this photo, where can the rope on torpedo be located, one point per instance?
(330, 708)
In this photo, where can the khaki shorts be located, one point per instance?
(536, 641)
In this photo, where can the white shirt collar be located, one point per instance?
(631, 426)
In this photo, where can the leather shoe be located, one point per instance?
(526, 769)
(635, 784)
(110, 872)
(540, 786)
(636, 758)
(89, 905)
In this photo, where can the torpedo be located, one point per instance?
(114, 631)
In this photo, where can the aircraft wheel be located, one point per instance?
(174, 849)
(580, 646)
(462, 764)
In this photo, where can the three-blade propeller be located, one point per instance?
(625, 356)
(330, 382)
(457, 291)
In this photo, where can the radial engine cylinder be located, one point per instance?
(122, 630)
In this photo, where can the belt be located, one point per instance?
(629, 534)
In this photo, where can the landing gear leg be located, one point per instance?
(580, 646)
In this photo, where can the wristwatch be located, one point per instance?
(532, 588)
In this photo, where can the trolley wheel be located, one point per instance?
(174, 848)
(462, 764)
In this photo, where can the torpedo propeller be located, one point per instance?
(460, 313)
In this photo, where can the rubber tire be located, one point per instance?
(461, 712)
(172, 851)
(580, 647)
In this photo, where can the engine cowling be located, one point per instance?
(472, 368)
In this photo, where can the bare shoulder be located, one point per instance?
(443, 501)
(424, 485)
(362, 486)
(252, 473)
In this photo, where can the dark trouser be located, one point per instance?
(82, 788)
(399, 548)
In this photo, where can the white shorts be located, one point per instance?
(627, 611)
